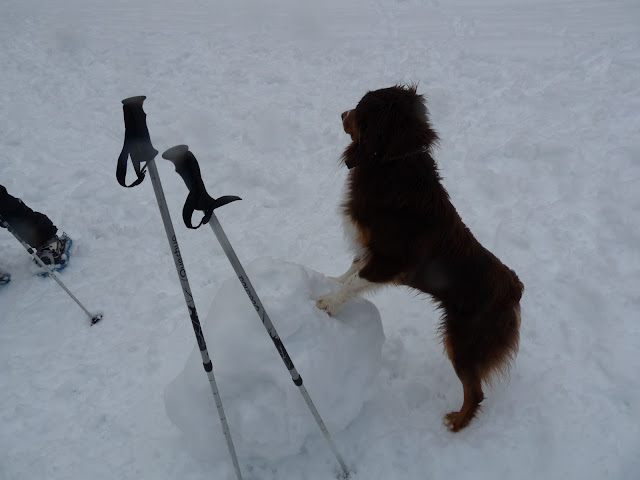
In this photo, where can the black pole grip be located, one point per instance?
(198, 199)
(137, 143)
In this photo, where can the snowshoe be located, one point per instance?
(55, 253)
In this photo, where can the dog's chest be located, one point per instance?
(356, 234)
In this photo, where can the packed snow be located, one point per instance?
(338, 359)
(537, 103)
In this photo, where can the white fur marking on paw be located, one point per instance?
(352, 286)
(327, 303)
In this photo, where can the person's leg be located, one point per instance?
(35, 228)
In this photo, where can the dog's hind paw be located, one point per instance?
(456, 421)
(450, 421)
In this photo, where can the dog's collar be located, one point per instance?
(351, 165)
(410, 154)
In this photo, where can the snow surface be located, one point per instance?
(340, 357)
(537, 103)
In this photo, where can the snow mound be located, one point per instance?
(338, 359)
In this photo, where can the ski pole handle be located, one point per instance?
(137, 143)
(198, 199)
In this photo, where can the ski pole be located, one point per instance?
(137, 144)
(95, 318)
(198, 199)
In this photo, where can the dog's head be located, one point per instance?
(387, 124)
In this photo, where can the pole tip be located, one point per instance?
(96, 318)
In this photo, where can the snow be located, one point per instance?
(537, 106)
(340, 357)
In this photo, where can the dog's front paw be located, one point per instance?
(336, 279)
(328, 303)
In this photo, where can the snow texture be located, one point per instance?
(537, 103)
(338, 358)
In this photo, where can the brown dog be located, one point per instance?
(405, 231)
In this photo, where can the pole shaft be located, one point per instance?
(266, 321)
(253, 296)
(53, 275)
(323, 428)
(186, 290)
(50, 272)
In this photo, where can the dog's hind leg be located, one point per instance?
(472, 386)
(458, 344)
(479, 347)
